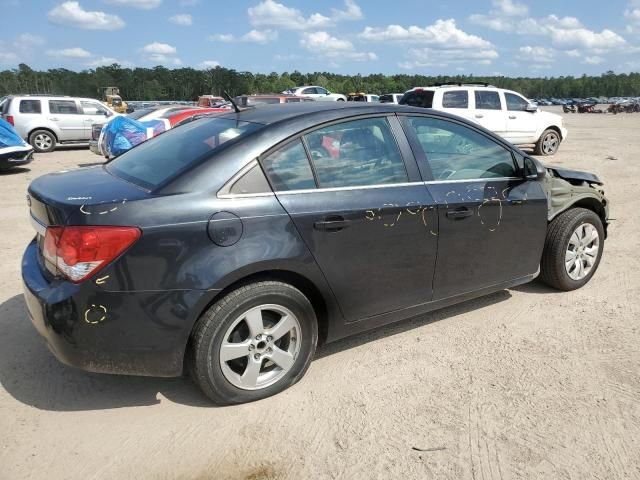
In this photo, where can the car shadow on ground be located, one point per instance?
(33, 376)
(537, 287)
(14, 171)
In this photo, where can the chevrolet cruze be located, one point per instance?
(233, 245)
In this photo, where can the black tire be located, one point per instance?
(208, 335)
(340, 100)
(559, 231)
(42, 141)
(540, 148)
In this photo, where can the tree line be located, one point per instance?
(160, 83)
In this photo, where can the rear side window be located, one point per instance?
(356, 153)
(288, 168)
(253, 181)
(456, 152)
(63, 106)
(515, 102)
(30, 106)
(266, 100)
(309, 91)
(163, 158)
(487, 100)
(455, 99)
(386, 98)
(417, 98)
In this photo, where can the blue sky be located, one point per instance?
(504, 37)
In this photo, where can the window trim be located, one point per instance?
(423, 161)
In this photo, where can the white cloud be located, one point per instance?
(159, 48)
(271, 14)
(8, 58)
(536, 54)
(161, 53)
(351, 12)
(28, 40)
(182, 19)
(437, 57)
(500, 18)
(69, 53)
(73, 15)
(325, 45)
(573, 53)
(443, 33)
(593, 60)
(104, 61)
(142, 4)
(276, 15)
(254, 36)
(206, 64)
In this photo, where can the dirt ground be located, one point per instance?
(525, 383)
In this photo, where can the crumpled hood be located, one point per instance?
(574, 175)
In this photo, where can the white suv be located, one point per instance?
(317, 93)
(46, 121)
(504, 112)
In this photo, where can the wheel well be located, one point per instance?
(43, 128)
(294, 279)
(591, 204)
(555, 129)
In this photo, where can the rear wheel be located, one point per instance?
(548, 143)
(255, 342)
(42, 141)
(573, 249)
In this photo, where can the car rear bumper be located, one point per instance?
(15, 159)
(132, 333)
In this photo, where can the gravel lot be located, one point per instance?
(525, 383)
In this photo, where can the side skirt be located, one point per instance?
(370, 323)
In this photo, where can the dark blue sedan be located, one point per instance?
(233, 245)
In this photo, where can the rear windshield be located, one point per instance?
(161, 159)
(418, 98)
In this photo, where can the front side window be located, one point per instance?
(456, 152)
(488, 100)
(30, 106)
(288, 168)
(63, 107)
(93, 108)
(455, 99)
(162, 158)
(309, 91)
(356, 153)
(321, 91)
(515, 103)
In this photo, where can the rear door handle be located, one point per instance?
(512, 117)
(332, 224)
(54, 119)
(460, 213)
(479, 115)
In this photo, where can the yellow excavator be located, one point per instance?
(112, 99)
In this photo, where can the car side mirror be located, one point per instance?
(328, 92)
(533, 170)
(531, 108)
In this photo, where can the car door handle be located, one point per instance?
(479, 115)
(332, 224)
(512, 117)
(460, 213)
(54, 119)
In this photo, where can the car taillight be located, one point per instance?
(10, 119)
(80, 252)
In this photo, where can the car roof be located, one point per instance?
(272, 114)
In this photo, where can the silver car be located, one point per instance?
(46, 121)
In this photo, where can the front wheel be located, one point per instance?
(572, 249)
(253, 343)
(548, 143)
(340, 100)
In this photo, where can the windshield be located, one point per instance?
(161, 159)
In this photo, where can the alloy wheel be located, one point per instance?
(43, 141)
(582, 251)
(260, 347)
(550, 143)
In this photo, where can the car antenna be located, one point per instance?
(226, 95)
